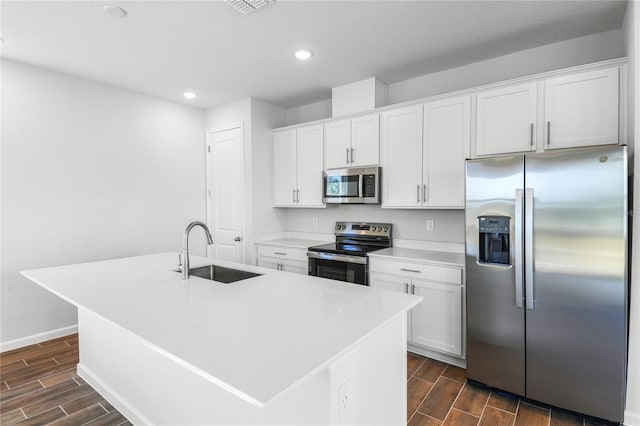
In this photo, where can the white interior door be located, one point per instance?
(225, 191)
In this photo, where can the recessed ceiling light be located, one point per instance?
(115, 11)
(303, 54)
(190, 95)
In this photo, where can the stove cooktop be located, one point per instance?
(350, 249)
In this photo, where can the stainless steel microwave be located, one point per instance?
(359, 185)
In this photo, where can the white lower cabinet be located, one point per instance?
(393, 283)
(436, 323)
(282, 258)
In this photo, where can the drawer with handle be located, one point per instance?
(450, 275)
(283, 252)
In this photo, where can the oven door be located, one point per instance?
(352, 269)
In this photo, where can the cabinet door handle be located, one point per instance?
(297, 195)
(351, 155)
(548, 133)
(531, 134)
(407, 288)
(418, 194)
(410, 270)
(347, 155)
(280, 253)
(294, 196)
(424, 193)
(413, 289)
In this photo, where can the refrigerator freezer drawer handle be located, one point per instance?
(518, 267)
(528, 244)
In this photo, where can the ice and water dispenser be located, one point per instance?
(494, 240)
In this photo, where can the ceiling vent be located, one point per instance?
(248, 6)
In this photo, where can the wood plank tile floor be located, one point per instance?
(439, 394)
(39, 386)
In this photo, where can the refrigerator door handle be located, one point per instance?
(518, 267)
(528, 250)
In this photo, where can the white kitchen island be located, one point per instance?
(279, 348)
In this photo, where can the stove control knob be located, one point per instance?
(386, 229)
(377, 228)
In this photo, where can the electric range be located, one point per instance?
(346, 259)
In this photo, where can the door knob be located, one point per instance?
(237, 239)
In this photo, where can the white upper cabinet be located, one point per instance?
(447, 135)
(310, 150)
(297, 167)
(365, 140)
(402, 157)
(352, 142)
(284, 168)
(423, 153)
(337, 144)
(506, 119)
(581, 109)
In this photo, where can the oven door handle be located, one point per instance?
(363, 260)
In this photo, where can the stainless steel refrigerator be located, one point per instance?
(546, 262)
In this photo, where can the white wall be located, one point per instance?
(267, 221)
(89, 172)
(632, 50)
(407, 224)
(226, 116)
(310, 112)
(257, 118)
(578, 51)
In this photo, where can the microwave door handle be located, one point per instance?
(360, 183)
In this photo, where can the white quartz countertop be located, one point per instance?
(430, 256)
(292, 242)
(256, 338)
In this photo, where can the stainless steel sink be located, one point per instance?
(221, 274)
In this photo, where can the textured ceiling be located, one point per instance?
(164, 48)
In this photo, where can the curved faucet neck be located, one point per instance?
(185, 245)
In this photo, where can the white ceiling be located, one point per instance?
(163, 48)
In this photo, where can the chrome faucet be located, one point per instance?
(185, 246)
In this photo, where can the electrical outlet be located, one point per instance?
(315, 221)
(344, 395)
(431, 225)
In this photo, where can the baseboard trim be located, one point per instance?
(114, 398)
(449, 359)
(37, 338)
(631, 418)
